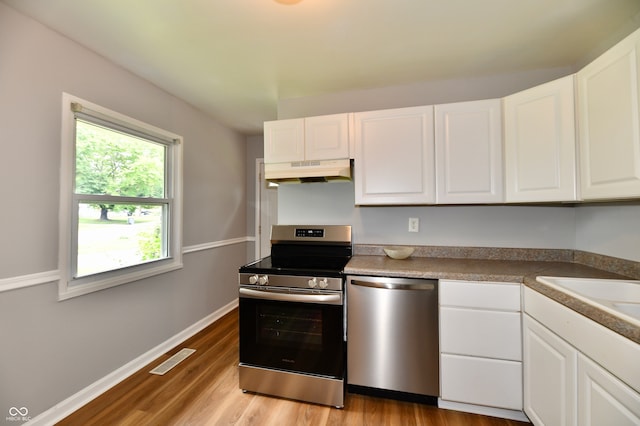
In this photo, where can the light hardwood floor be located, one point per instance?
(203, 390)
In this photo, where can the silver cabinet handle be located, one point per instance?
(326, 299)
(428, 285)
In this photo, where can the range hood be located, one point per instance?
(308, 171)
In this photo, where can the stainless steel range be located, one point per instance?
(292, 333)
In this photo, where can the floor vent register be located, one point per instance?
(172, 362)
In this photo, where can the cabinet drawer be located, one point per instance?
(484, 295)
(481, 381)
(494, 334)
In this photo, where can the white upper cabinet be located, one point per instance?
(393, 162)
(609, 124)
(284, 140)
(327, 137)
(540, 143)
(306, 139)
(469, 152)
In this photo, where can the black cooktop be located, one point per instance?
(266, 266)
(317, 251)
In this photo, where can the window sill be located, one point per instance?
(67, 290)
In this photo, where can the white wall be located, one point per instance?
(613, 229)
(50, 350)
(255, 150)
(608, 229)
(475, 226)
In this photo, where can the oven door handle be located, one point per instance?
(325, 299)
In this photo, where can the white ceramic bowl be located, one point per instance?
(398, 252)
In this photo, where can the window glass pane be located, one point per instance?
(117, 236)
(109, 162)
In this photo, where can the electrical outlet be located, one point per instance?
(414, 224)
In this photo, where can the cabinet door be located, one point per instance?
(603, 399)
(540, 143)
(469, 152)
(284, 141)
(608, 108)
(549, 376)
(327, 137)
(394, 156)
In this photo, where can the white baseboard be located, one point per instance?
(81, 398)
(481, 409)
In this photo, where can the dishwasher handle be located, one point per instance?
(396, 284)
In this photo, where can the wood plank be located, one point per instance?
(203, 390)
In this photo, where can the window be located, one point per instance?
(120, 202)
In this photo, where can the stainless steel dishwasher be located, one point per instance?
(392, 334)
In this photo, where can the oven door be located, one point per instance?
(292, 331)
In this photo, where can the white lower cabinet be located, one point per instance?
(603, 399)
(480, 348)
(549, 376)
(563, 385)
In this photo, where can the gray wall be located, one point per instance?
(50, 350)
(426, 93)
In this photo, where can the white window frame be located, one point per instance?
(69, 286)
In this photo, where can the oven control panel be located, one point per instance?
(259, 279)
(306, 232)
(291, 281)
(335, 234)
(318, 283)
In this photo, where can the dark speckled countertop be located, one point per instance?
(505, 265)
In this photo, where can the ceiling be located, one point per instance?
(234, 59)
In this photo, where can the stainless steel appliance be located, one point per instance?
(392, 335)
(292, 335)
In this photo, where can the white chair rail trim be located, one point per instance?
(216, 244)
(23, 281)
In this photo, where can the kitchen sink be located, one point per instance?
(632, 309)
(620, 298)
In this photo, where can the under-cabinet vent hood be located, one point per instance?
(308, 171)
